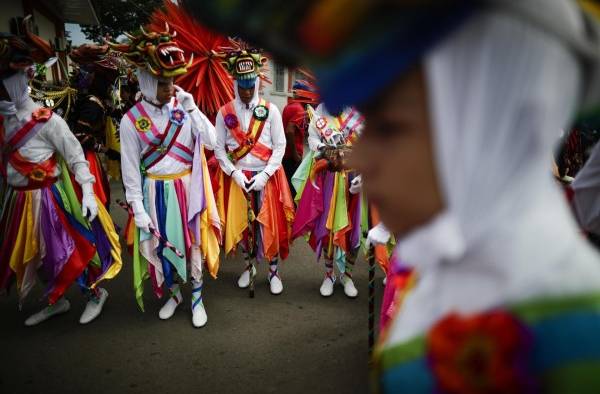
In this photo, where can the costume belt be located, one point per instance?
(169, 177)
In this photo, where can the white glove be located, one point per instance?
(356, 185)
(259, 181)
(89, 207)
(378, 235)
(140, 216)
(239, 178)
(185, 99)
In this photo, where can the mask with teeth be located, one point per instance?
(155, 52)
(241, 60)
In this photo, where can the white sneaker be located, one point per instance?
(167, 311)
(327, 285)
(384, 281)
(93, 308)
(349, 288)
(60, 306)
(244, 280)
(275, 285)
(199, 317)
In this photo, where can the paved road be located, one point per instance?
(297, 342)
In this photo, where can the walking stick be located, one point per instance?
(250, 196)
(154, 232)
(371, 258)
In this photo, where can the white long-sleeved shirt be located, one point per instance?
(133, 147)
(272, 136)
(54, 137)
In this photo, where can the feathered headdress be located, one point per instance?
(207, 80)
(18, 53)
(99, 57)
(155, 51)
(305, 89)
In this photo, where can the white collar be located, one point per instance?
(150, 107)
(24, 111)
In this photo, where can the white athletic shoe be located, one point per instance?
(199, 317)
(327, 285)
(60, 306)
(244, 280)
(349, 288)
(275, 285)
(93, 308)
(384, 281)
(167, 311)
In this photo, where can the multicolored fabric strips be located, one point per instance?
(548, 345)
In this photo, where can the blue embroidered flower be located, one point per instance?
(177, 116)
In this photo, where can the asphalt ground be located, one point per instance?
(297, 342)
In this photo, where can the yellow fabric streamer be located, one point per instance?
(113, 167)
(26, 246)
(210, 225)
(237, 217)
(115, 246)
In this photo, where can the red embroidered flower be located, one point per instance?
(231, 121)
(485, 353)
(42, 114)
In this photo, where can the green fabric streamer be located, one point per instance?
(74, 207)
(140, 270)
(340, 216)
(301, 175)
(174, 231)
(581, 378)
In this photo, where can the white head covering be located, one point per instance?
(148, 85)
(17, 87)
(499, 92)
(587, 193)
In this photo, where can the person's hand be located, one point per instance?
(356, 185)
(185, 98)
(89, 206)
(378, 235)
(239, 178)
(140, 217)
(259, 181)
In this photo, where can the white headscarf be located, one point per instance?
(499, 92)
(148, 85)
(17, 87)
(586, 198)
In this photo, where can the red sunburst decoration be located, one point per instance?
(206, 79)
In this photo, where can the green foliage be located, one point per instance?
(119, 16)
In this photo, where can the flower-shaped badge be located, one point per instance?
(38, 174)
(42, 114)
(177, 116)
(484, 353)
(261, 112)
(321, 123)
(143, 124)
(249, 141)
(231, 121)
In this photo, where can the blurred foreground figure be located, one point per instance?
(507, 293)
(49, 225)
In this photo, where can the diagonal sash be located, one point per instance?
(248, 141)
(160, 144)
